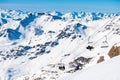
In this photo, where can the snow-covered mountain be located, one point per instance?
(55, 45)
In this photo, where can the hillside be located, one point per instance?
(51, 45)
(108, 70)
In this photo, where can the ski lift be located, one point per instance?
(108, 26)
(89, 47)
(105, 43)
(89, 42)
(61, 66)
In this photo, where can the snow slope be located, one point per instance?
(108, 70)
(34, 45)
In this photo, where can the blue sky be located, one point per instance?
(109, 6)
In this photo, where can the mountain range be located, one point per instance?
(59, 46)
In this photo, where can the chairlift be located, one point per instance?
(61, 66)
(89, 47)
(89, 42)
(105, 43)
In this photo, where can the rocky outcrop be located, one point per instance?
(114, 51)
(101, 59)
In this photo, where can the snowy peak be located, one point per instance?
(73, 15)
(55, 13)
(87, 16)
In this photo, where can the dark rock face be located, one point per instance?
(27, 20)
(56, 18)
(38, 31)
(13, 34)
(78, 63)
